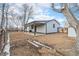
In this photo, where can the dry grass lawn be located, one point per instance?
(58, 40)
(21, 46)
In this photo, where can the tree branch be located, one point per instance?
(70, 17)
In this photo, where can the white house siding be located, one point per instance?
(71, 32)
(27, 28)
(31, 28)
(50, 28)
(48, 25)
(41, 29)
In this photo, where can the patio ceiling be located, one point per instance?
(36, 23)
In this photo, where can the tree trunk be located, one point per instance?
(2, 25)
(24, 18)
(73, 22)
(1, 40)
(6, 49)
(77, 41)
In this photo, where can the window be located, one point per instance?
(53, 25)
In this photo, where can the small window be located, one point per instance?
(53, 25)
(31, 26)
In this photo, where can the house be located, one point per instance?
(43, 26)
(61, 29)
(65, 29)
(70, 30)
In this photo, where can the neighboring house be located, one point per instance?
(71, 30)
(43, 26)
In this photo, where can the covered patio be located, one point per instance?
(33, 25)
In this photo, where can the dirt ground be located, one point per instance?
(58, 40)
(20, 46)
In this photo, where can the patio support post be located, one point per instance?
(34, 29)
(46, 28)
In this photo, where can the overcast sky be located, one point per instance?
(45, 12)
(42, 11)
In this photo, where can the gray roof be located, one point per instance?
(42, 22)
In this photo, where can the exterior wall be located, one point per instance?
(50, 28)
(32, 29)
(71, 32)
(41, 29)
(28, 28)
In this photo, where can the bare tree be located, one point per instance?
(13, 18)
(6, 49)
(73, 22)
(25, 7)
(5, 41)
(2, 31)
(28, 12)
